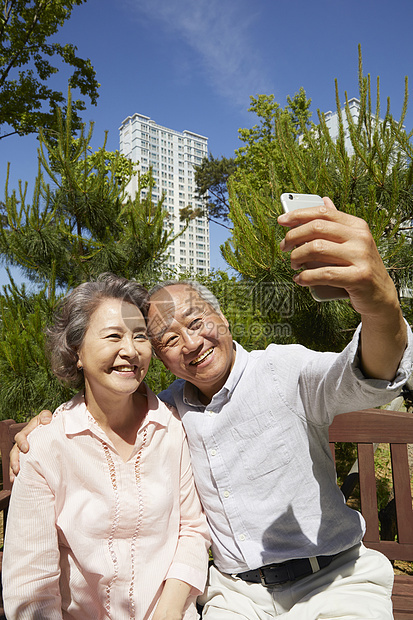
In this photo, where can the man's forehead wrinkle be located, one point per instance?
(169, 311)
(154, 331)
(191, 310)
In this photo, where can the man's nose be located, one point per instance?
(191, 339)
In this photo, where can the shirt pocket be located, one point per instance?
(260, 445)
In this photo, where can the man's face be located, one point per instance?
(191, 338)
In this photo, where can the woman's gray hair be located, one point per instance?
(203, 292)
(65, 336)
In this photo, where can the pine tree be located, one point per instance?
(375, 183)
(80, 223)
(27, 384)
(85, 223)
(213, 174)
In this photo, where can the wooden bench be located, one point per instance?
(365, 428)
(374, 426)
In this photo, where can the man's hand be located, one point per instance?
(346, 246)
(22, 445)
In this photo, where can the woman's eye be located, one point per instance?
(113, 336)
(141, 336)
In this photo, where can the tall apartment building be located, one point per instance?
(171, 155)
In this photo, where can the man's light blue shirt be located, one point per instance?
(261, 457)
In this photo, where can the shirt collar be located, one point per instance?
(191, 393)
(80, 419)
(241, 360)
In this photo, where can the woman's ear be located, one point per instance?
(79, 364)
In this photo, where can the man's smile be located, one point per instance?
(202, 357)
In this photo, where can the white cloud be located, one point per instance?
(220, 33)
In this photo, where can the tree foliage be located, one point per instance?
(82, 222)
(285, 152)
(261, 144)
(212, 177)
(27, 101)
(28, 384)
(213, 174)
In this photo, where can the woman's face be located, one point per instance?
(116, 351)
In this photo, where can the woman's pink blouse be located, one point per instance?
(90, 536)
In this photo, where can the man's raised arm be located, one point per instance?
(352, 261)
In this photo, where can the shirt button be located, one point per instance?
(210, 412)
(213, 452)
(242, 537)
(226, 493)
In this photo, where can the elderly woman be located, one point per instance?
(104, 520)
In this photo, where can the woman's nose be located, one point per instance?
(129, 347)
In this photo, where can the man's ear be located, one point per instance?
(224, 318)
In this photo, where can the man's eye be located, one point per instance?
(117, 336)
(196, 324)
(170, 342)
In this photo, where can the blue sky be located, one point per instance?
(193, 64)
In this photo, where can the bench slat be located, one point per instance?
(368, 493)
(402, 492)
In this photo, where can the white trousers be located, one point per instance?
(356, 585)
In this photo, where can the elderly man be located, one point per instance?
(284, 542)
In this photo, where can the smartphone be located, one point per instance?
(302, 201)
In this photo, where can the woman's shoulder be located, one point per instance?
(163, 409)
(45, 433)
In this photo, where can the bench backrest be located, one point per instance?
(366, 428)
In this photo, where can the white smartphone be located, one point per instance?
(300, 201)
(290, 202)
